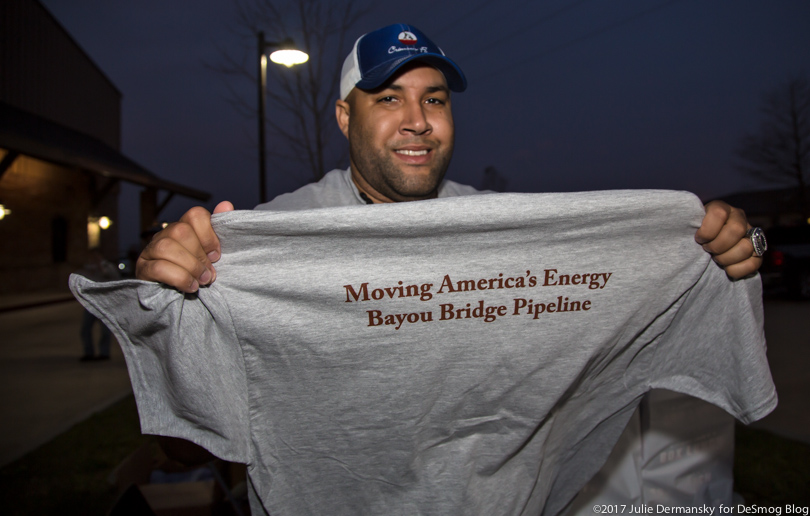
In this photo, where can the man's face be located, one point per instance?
(400, 136)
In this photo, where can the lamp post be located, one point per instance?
(288, 56)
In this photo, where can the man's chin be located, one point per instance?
(425, 189)
(412, 198)
(401, 184)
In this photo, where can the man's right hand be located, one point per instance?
(182, 255)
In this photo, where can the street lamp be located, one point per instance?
(287, 55)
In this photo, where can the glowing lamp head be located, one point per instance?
(289, 57)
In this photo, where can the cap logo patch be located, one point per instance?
(407, 38)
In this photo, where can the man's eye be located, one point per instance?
(434, 100)
(387, 100)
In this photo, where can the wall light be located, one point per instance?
(4, 211)
(94, 227)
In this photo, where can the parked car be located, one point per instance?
(786, 266)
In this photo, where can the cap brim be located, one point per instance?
(378, 76)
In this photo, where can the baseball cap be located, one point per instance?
(376, 56)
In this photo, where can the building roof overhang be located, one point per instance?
(31, 135)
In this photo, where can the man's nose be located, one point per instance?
(414, 120)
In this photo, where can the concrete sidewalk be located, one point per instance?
(44, 389)
(15, 302)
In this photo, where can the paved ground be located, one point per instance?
(787, 329)
(44, 389)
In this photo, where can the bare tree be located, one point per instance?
(301, 99)
(780, 151)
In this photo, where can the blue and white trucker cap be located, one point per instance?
(376, 56)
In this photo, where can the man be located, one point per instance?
(399, 124)
(396, 115)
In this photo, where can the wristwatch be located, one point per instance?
(757, 237)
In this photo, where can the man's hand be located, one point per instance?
(722, 234)
(181, 255)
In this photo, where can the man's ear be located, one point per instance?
(342, 110)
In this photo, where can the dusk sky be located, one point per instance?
(563, 95)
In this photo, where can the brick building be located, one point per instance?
(60, 154)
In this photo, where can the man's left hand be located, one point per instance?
(722, 234)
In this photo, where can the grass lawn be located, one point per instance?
(770, 470)
(69, 474)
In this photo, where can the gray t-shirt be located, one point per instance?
(450, 356)
(336, 189)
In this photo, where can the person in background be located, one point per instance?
(97, 268)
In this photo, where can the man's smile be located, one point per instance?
(408, 152)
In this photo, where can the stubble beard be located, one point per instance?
(393, 180)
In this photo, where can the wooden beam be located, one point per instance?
(99, 194)
(164, 203)
(8, 160)
(148, 208)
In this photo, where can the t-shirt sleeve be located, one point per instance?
(183, 357)
(718, 331)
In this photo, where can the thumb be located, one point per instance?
(223, 207)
